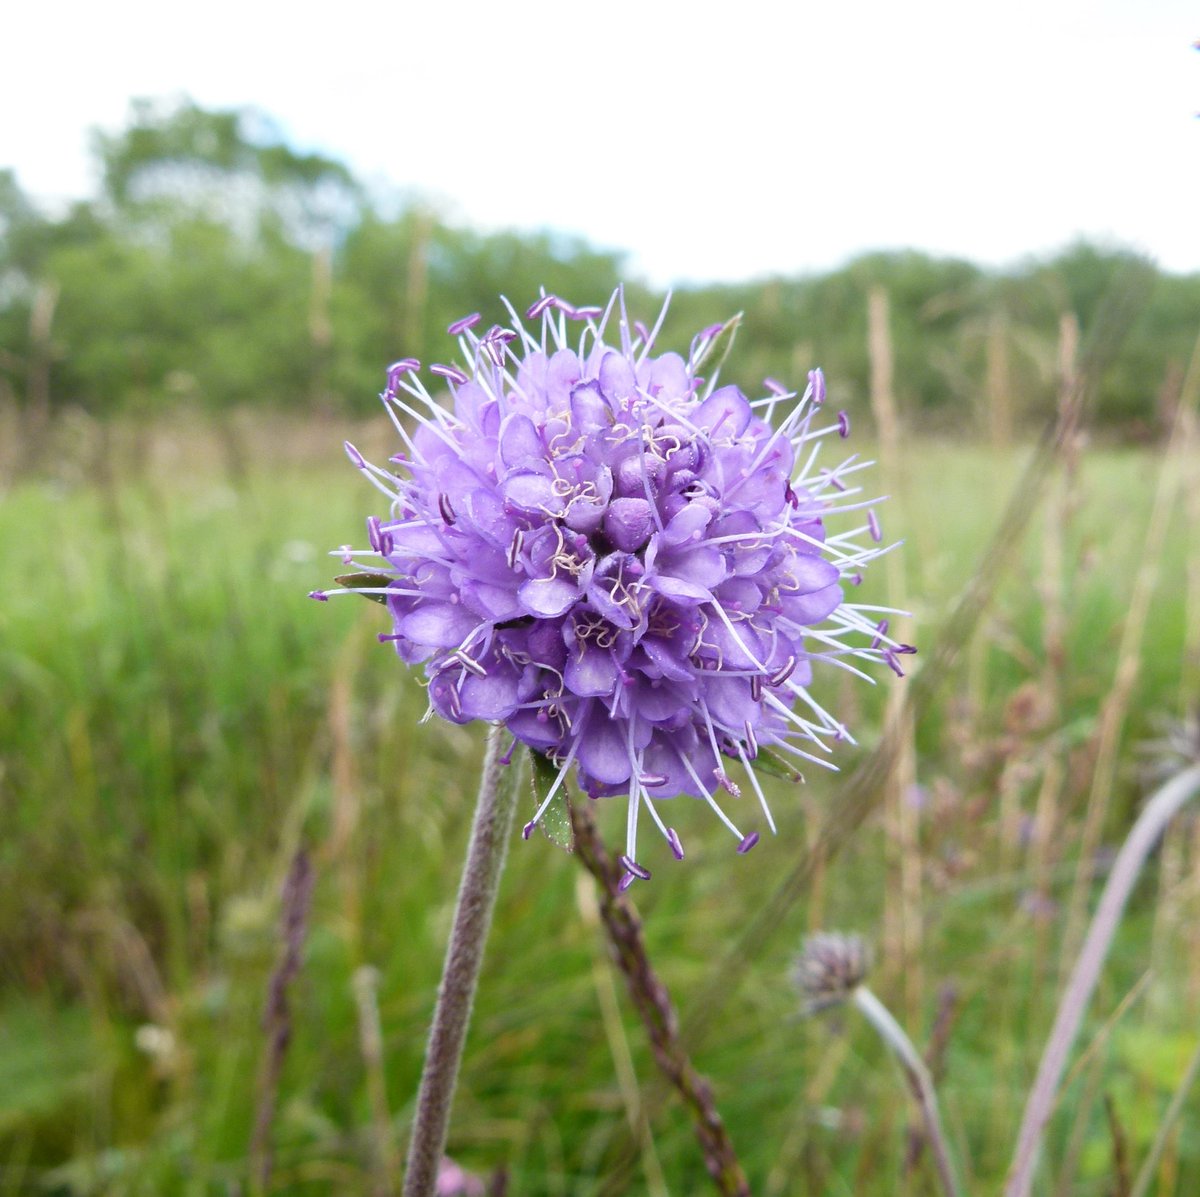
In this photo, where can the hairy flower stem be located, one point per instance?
(1151, 823)
(464, 956)
(653, 1004)
(919, 1081)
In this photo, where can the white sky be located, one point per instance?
(714, 141)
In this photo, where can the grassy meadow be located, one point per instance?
(177, 718)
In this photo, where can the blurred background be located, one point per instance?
(216, 230)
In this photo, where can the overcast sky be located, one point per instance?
(711, 141)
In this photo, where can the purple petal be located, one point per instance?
(603, 753)
(519, 441)
(628, 523)
(548, 597)
(532, 493)
(724, 414)
(592, 673)
(493, 696)
(814, 607)
(438, 625)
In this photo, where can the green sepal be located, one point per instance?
(555, 823)
(717, 350)
(366, 582)
(774, 765)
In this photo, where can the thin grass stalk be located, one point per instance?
(1145, 1176)
(902, 920)
(365, 984)
(655, 1009)
(1189, 682)
(1116, 706)
(1159, 811)
(919, 1081)
(480, 884)
(277, 1017)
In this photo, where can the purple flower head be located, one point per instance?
(626, 565)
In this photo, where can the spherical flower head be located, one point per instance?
(830, 967)
(624, 563)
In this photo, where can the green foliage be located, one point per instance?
(221, 267)
(178, 716)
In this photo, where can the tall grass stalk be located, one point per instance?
(902, 927)
(1129, 653)
(919, 1081)
(1151, 824)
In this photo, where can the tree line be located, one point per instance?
(217, 266)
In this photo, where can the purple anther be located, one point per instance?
(843, 425)
(453, 373)
(374, 535)
(653, 780)
(855, 579)
(631, 866)
(784, 672)
(567, 309)
(711, 331)
(586, 313)
(355, 456)
(881, 629)
(397, 370)
(892, 662)
(790, 496)
(625, 882)
(905, 650)
(642, 331)
(494, 342)
(673, 841)
(527, 830)
(447, 512)
(747, 843)
(816, 380)
(536, 309)
(461, 325)
(756, 688)
(514, 549)
(873, 525)
(506, 759)
(319, 595)
(347, 554)
(388, 637)
(775, 387)
(751, 741)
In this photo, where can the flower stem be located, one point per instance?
(653, 1004)
(919, 1080)
(1151, 823)
(464, 956)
